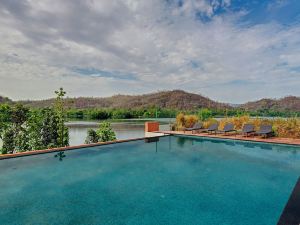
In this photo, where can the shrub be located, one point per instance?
(287, 127)
(8, 141)
(179, 121)
(92, 137)
(106, 133)
(204, 114)
(185, 121)
(209, 122)
(190, 120)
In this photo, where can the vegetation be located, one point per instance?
(103, 134)
(24, 129)
(287, 127)
(164, 104)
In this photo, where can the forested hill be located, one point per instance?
(290, 103)
(5, 100)
(176, 99)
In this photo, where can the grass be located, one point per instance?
(287, 127)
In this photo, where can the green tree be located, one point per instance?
(8, 141)
(19, 117)
(105, 132)
(5, 118)
(49, 131)
(63, 132)
(22, 140)
(92, 137)
(204, 114)
(34, 128)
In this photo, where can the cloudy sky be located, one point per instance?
(228, 50)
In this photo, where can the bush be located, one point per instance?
(184, 121)
(209, 122)
(287, 127)
(106, 133)
(92, 137)
(8, 141)
(204, 114)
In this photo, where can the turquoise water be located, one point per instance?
(178, 180)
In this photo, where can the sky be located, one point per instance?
(229, 50)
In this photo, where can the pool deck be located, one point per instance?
(275, 140)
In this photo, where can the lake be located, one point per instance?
(124, 129)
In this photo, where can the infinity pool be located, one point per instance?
(177, 180)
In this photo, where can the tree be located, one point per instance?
(5, 118)
(204, 114)
(63, 132)
(105, 132)
(34, 128)
(92, 137)
(8, 141)
(19, 117)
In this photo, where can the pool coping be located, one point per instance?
(272, 140)
(74, 147)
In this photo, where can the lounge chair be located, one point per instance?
(212, 128)
(196, 126)
(229, 127)
(265, 130)
(248, 129)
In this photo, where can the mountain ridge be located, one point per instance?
(174, 99)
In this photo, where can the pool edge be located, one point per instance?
(74, 147)
(230, 138)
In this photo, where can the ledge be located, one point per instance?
(272, 140)
(44, 151)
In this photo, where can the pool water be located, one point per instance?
(177, 180)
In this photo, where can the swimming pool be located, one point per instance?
(177, 180)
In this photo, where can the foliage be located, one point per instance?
(92, 137)
(209, 122)
(204, 114)
(63, 133)
(34, 129)
(184, 121)
(19, 115)
(105, 132)
(5, 118)
(121, 114)
(49, 132)
(287, 127)
(8, 141)
(24, 129)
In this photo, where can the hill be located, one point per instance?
(175, 99)
(289, 103)
(5, 100)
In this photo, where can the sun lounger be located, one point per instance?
(196, 126)
(248, 129)
(229, 127)
(212, 128)
(265, 130)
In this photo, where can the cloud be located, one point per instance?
(96, 48)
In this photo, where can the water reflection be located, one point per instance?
(60, 155)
